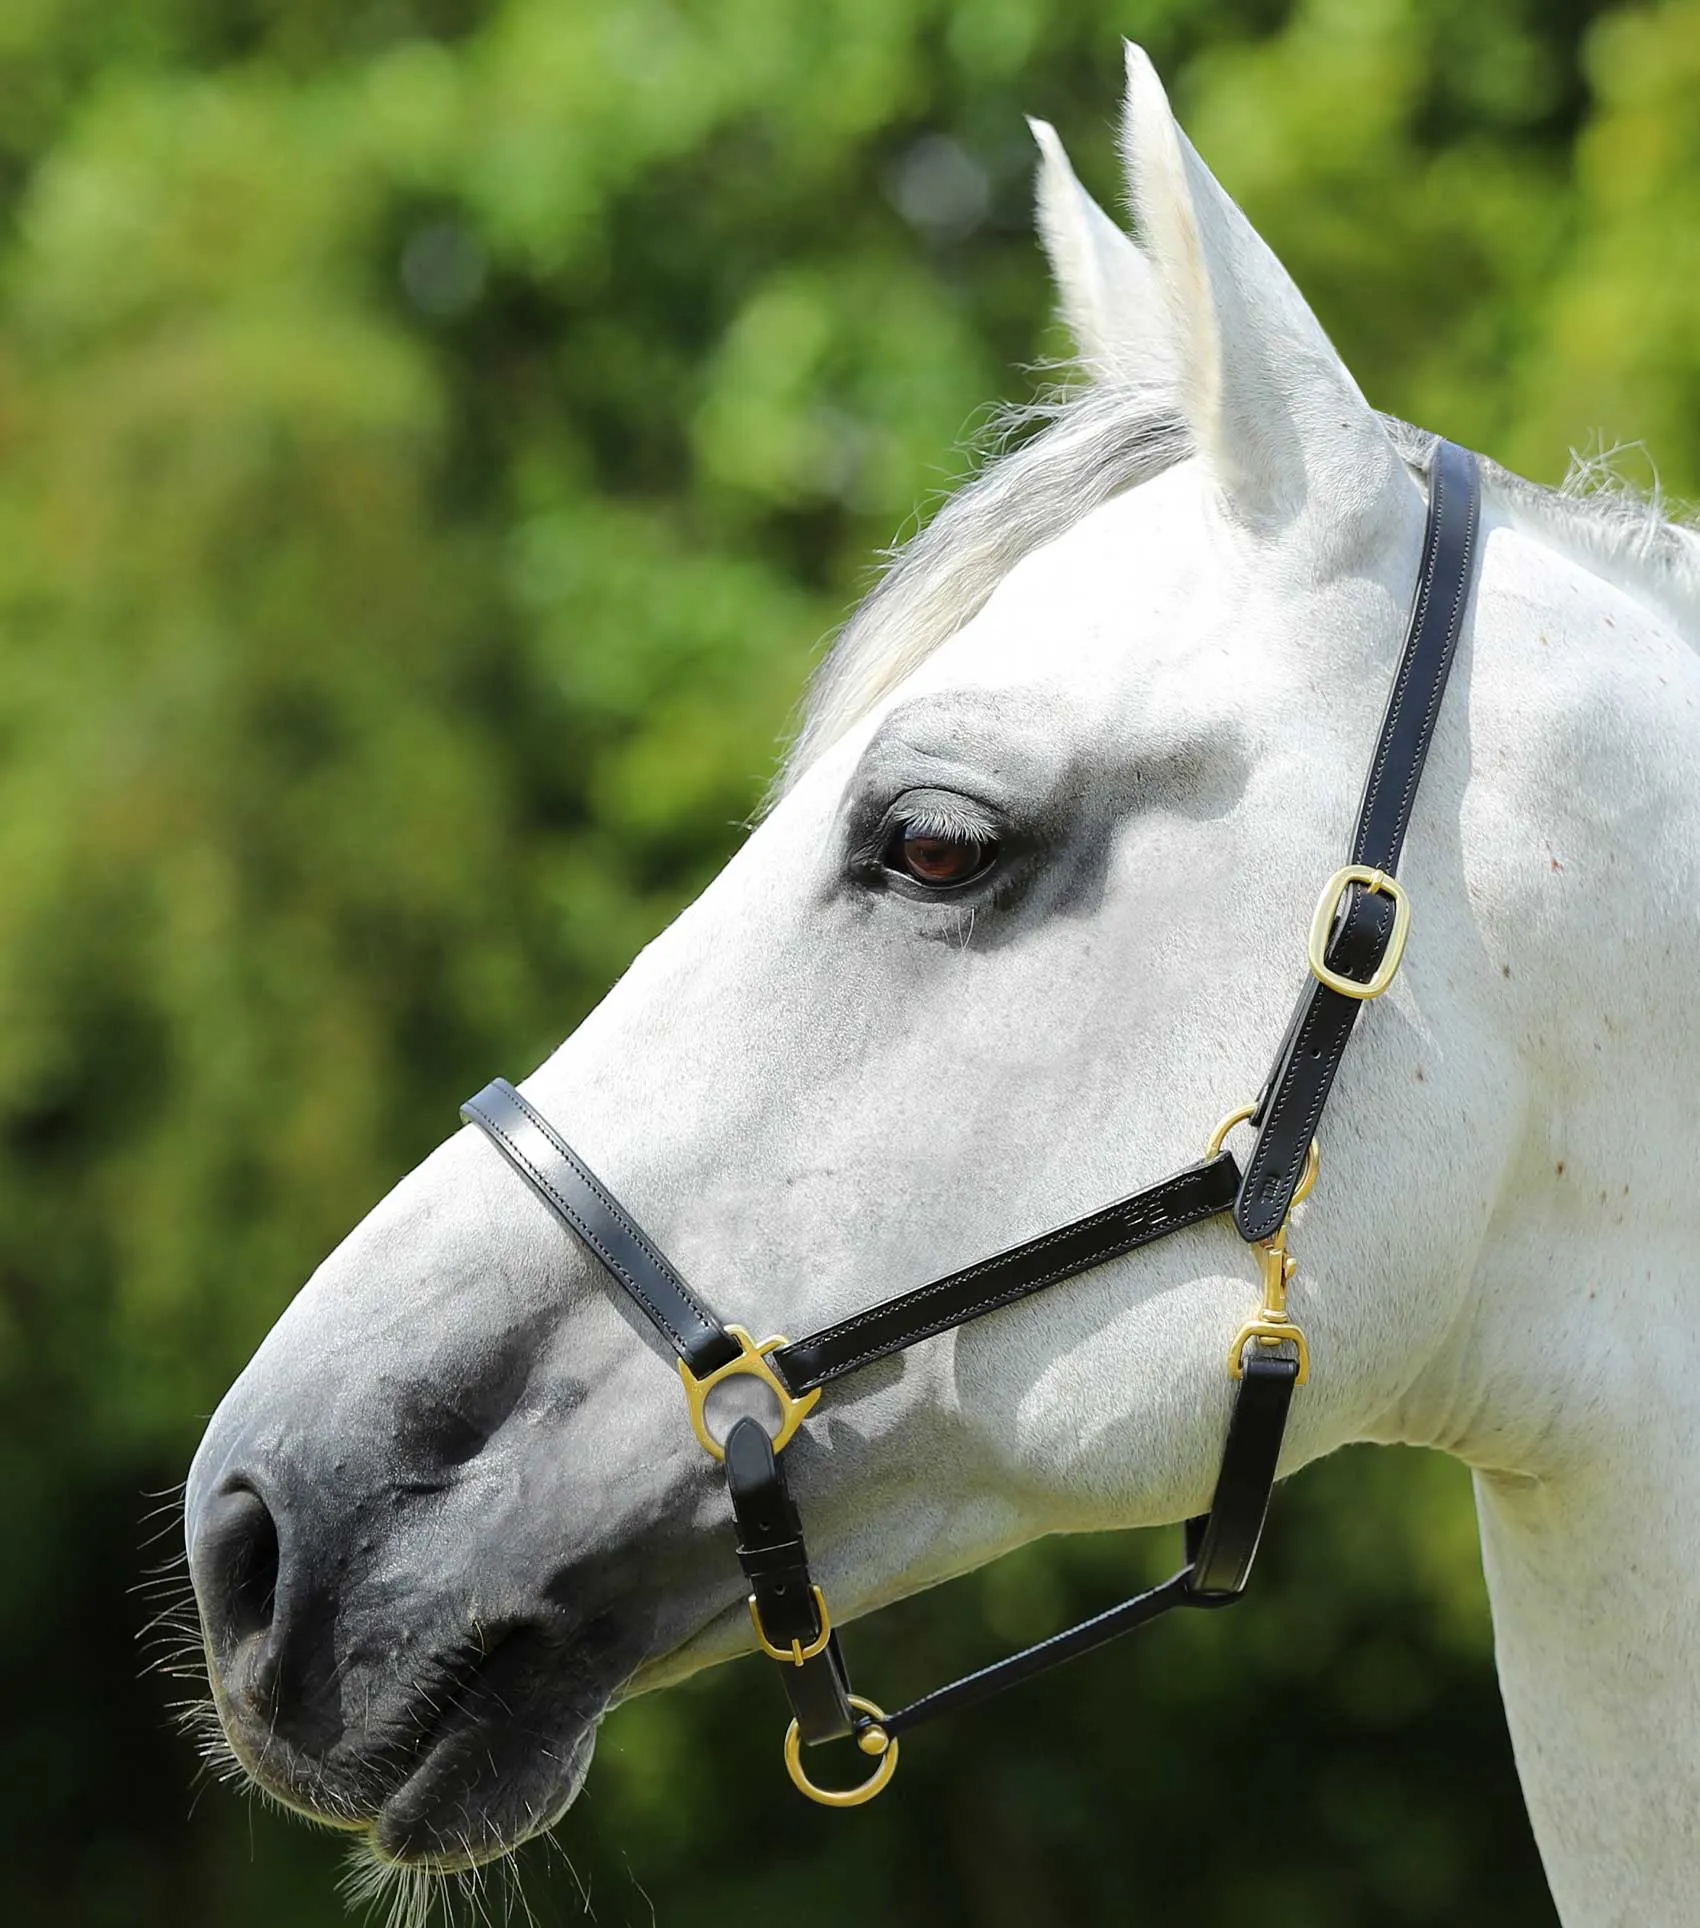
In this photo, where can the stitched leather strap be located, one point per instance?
(1083, 1639)
(583, 1204)
(1197, 1193)
(579, 1199)
(1316, 1036)
(1221, 1544)
(776, 1564)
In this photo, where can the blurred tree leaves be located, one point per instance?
(435, 438)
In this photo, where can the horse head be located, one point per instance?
(1023, 919)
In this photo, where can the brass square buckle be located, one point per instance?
(1322, 927)
(752, 1361)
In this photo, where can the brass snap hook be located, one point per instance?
(1274, 1324)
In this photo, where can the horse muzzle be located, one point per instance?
(375, 1667)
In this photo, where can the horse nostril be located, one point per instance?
(236, 1561)
(268, 1628)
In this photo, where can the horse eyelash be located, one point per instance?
(936, 817)
(938, 824)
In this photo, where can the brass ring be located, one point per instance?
(1313, 1159)
(1219, 1136)
(752, 1361)
(845, 1797)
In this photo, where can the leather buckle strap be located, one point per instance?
(788, 1610)
(1289, 1109)
(1367, 915)
(798, 1655)
(585, 1206)
(1328, 917)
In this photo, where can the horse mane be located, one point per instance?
(1104, 439)
(1634, 538)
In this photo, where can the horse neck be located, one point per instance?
(1587, 1479)
(1570, 1382)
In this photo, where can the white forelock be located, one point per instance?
(1099, 443)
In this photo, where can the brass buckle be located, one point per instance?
(752, 1359)
(872, 1740)
(1322, 926)
(796, 1653)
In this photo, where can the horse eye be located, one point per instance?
(939, 861)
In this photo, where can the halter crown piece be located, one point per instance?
(1357, 939)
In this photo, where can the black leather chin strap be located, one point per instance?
(1361, 920)
(1220, 1547)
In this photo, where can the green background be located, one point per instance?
(434, 439)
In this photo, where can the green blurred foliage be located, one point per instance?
(435, 437)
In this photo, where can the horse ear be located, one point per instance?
(1273, 409)
(1110, 294)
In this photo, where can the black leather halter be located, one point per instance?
(1356, 941)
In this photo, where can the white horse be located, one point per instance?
(1025, 918)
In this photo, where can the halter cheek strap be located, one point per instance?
(1356, 941)
(1358, 934)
